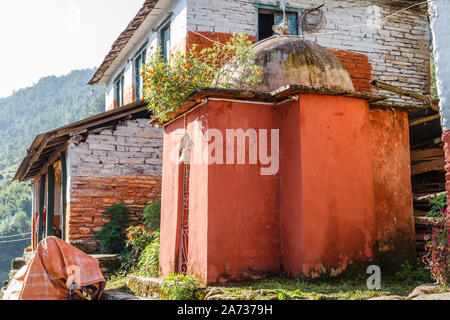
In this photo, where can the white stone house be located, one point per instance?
(393, 36)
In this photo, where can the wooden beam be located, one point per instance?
(427, 154)
(434, 165)
(416, 122)
(430, 101)
(50, 201)
(63, 192)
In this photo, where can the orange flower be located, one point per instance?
(154, 75)
(259, 73)
(162, 68)
(188, 65)
(175, 78)
(187, 52)
(174, 96)
(183, 77)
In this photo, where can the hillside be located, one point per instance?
(50, 103)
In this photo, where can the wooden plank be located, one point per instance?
(423, 155)
(432, 103)
(50, 201)
(63, 192)
(41, 208)
(418, 121)
(435, 165)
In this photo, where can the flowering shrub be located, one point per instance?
(437, 241)
(168, 84)
(139, 236)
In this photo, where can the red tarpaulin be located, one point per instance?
(55, 266)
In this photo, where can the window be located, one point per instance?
(165, 41)
(139, 62)
(268, 18)
(118, 90)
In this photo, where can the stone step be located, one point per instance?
(119, 295)
(149, 288)
(108, 263)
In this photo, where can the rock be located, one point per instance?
(18, 263)
(211, 292)
(118, 295)
(263, 294)
(423, 289)
(221, 297)
(437, 296)
(87, 246)
(388, 298)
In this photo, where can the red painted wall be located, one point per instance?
(317, 215)
(392, 181)
(333, 214)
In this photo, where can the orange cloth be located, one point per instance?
(54, 267)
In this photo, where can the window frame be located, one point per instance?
(119, 94)
(275, 9)
(162, 41)
(140, 58)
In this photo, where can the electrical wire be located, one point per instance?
(10, 241)
(15, 235)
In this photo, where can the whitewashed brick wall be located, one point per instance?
(398, 51)
(132, 148)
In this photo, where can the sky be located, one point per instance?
(53, 37)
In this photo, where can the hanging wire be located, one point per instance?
(15, 235)
(10, 241)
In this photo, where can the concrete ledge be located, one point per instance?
(145, 287)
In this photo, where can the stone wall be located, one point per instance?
(114, 165)
(398, 50)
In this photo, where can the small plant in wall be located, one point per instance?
(168, 84)
(437, 241)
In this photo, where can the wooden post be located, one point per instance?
(63, 193)
(50, 201)
(41, 207)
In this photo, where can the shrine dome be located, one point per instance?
(288, 60)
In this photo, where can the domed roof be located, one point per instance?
(288, 60)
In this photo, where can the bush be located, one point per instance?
(149, 260)
(152, 215)
(410, 274)
(112, 235)
(180, 287)
(139, 237)
(436, 259)
(167, 84)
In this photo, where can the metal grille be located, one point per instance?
(184, 239)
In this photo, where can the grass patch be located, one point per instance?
(286, 289)
(117, 281)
